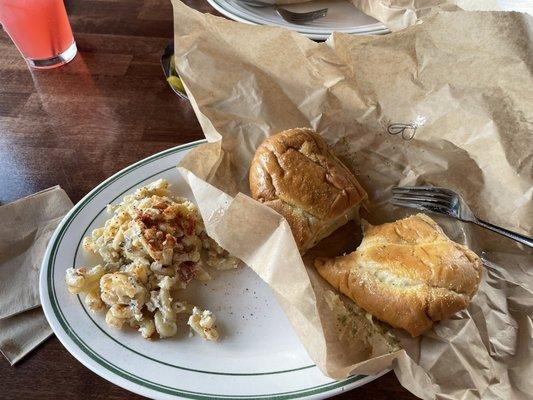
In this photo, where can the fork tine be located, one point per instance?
(303, 18)
(315, 13)
(307, 14)
(430, 199)
(419, 191)
(425, 189)
(421, 206)
(291, 16)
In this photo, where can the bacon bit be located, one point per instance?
(170, 241)
(189, 226)
(161, 206)
(154, 238)
(150, 234)
(187, 271)
(145, 219)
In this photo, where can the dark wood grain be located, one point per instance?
(77, 125)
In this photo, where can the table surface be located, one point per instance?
(70, 127)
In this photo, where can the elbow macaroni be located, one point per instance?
(203, 323)
(153, 245)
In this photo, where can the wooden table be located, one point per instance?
(77, 125)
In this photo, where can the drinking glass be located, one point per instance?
(41, 31)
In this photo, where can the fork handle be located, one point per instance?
(507, 233)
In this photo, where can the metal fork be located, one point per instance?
(289, 16)
(447, 202)
(301, 17)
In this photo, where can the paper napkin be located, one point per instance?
(26, 228)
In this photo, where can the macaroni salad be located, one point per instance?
(152, 247)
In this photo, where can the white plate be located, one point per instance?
(259, 355)
(342, 17)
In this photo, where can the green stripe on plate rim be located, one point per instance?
(131, 377)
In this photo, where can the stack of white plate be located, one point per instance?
(342, 17)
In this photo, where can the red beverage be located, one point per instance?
(40, 29)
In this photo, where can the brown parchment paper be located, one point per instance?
(432, 104)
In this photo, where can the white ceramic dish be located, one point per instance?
(342, 17)
(258, 357)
